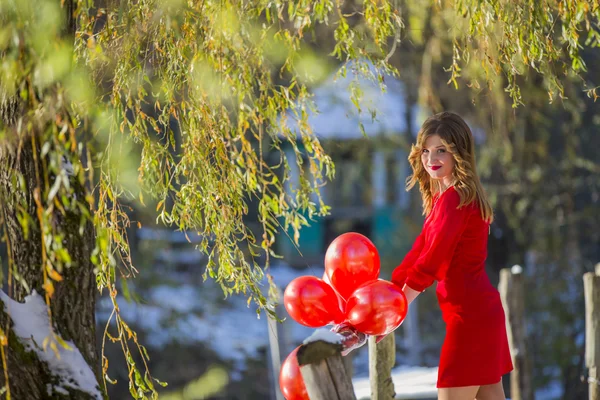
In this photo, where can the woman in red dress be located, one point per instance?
(452, 249)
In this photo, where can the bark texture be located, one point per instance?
(73, 301)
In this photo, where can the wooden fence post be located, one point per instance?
(412, 335)
(512, 294)
(324, 372)
(382, 357)
(348, 360)
(275, 351)
(591, 288)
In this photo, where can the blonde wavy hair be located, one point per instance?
(458, 139)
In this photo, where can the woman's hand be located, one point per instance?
(352, 338)
(410, 293)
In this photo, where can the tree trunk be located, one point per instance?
(72, 304)
(73, 301)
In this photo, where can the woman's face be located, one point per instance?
(436, 159)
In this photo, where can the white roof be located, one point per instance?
(338, 118)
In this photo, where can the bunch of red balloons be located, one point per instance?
(350, 292)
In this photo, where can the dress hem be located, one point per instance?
(463, 384)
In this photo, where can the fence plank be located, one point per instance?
(512, 294)
(275, 359)
(591, 288)
(382, 357)
(324, 373)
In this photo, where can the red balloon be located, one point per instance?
(377, 308)
(290, 379)
(341, 301)
(312, 302)
(350, 261)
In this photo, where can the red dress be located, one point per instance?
(452, 249)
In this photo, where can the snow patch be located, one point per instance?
(516, 270)
(183, 301)
(60, 390)
(324, 335)
(32, 327)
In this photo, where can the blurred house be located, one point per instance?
(368, 193)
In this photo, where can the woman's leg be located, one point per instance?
(458, 393)
(491, 392)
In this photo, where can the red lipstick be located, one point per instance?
(435, 167)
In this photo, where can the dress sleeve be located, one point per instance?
(399, 273)
(441, 238)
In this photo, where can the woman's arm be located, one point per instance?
(399, 273)
(443, 234)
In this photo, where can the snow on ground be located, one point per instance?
(193, 313)
(184, 301)
(32, 327)
(420, 383)
(409, 383)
